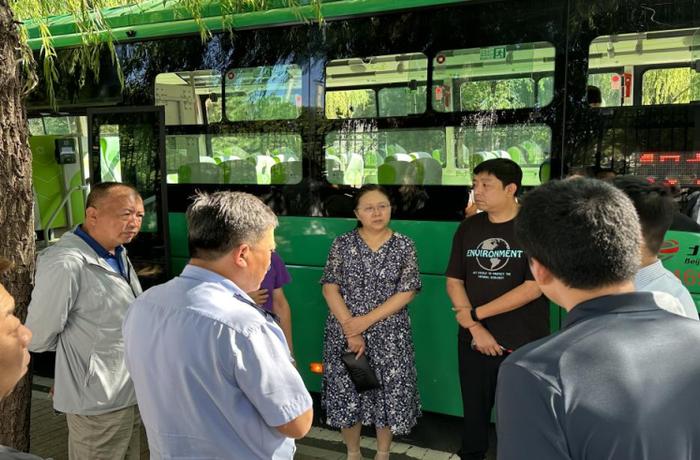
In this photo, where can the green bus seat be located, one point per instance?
(398, 157)
(200, 173)
(428, 171)
(516, 154)
(396, 173)
(334, 171)
(355, 170)
(371, 160)
(239, 172)
(288, 172)
(263, 168)
(417, 155)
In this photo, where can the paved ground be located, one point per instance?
(433, 433)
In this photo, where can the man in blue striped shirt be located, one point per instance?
(214, 377)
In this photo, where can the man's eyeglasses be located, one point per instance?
(371, 209)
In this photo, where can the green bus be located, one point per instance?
(410, 94)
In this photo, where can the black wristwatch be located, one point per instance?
(474, 317)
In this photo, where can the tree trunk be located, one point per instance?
(16, 214)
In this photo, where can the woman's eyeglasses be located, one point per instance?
(371, 209)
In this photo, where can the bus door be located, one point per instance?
(128, 145)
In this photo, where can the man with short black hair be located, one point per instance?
(84, 285)
(620, 380)
(498, 305)
(655, 207)
(213, 374)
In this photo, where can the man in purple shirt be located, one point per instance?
(277, 276)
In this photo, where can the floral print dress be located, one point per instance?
(367, 279)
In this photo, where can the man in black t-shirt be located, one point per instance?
(497, 303)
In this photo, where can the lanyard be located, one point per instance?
(265, 313)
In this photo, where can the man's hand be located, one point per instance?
(464, 317)
(260, 296)
(484, 342)
(356, 344)
(355, 325)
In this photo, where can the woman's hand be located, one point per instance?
(356, 325)
(356, 344)
(260, 296)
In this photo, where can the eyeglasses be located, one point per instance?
(371, 209)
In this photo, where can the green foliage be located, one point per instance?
(95, 31)
(512, 93)
(610, 97)
(670, 86)
(356, 103)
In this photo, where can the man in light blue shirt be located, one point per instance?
(655, 208)
(214, 377)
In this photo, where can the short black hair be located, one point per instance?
(365, 189)
(584, 231)
(101, 190)
(655, 207)
(593, 95)
(505, 170)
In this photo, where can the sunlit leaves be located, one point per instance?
(95, 32)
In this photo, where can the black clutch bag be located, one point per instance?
(361, 373)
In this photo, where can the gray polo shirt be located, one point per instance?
(619, 381)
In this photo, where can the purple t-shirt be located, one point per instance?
(276, 277)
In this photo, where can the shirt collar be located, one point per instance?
(611, 304)
(97, 247)
(647, 274)
(202, 274)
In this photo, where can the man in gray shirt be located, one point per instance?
(84, 285)
(620, 380)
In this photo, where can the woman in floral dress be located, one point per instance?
(370, 277)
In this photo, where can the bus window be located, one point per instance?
(53, 125)
(527, 145)
(245, 158)
(497, 77)
(189, 97)
(670, 86)
(389, 157)
(36, 126)
(666, 61)
(610, 86)
(263, 93)
(545, 91)
(377, 86)
(396, 102)
(110, 157)
(354, 103)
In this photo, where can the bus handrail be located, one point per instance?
(54, 215)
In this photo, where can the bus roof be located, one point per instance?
(161, 18)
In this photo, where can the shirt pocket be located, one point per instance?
(106, 375)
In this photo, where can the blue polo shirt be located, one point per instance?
(213, 374)
(116, 261)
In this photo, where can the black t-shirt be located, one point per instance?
(491, 262)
